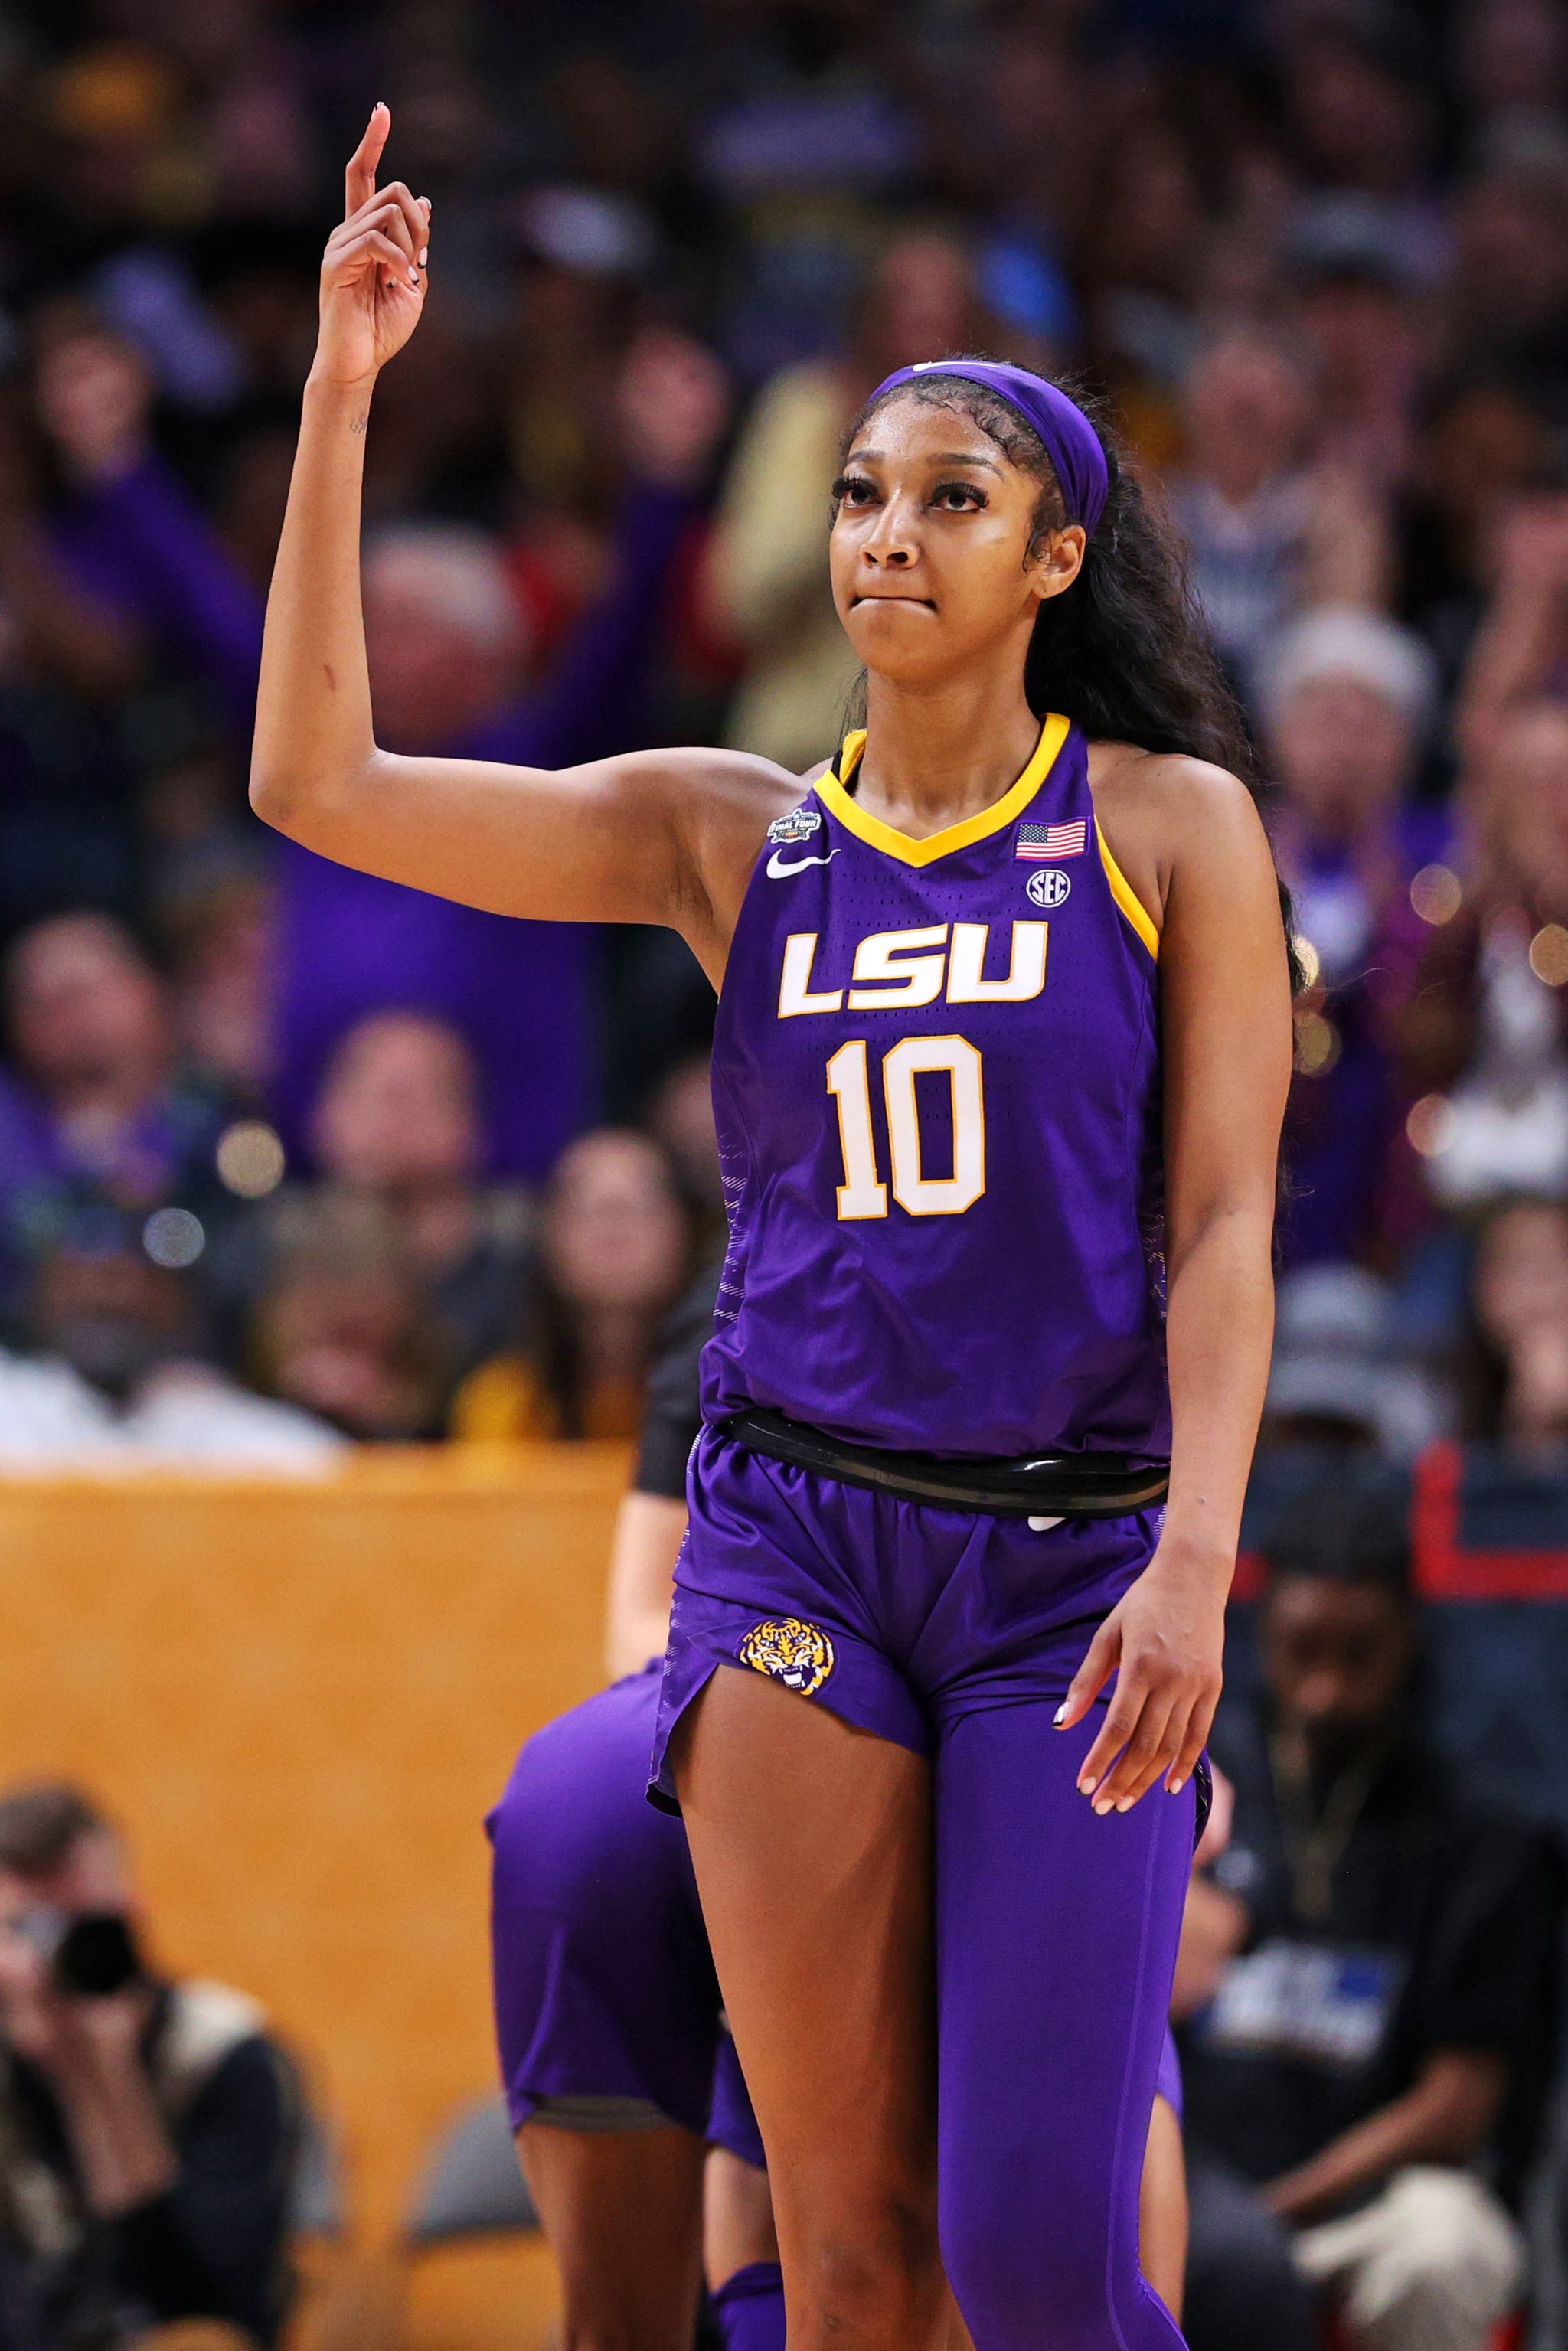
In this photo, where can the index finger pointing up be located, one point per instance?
(359, 178)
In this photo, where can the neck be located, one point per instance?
(933, 758)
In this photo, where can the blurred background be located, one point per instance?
(300, 1170)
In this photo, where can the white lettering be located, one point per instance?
(1025, 974)
(795, 988)
(906, 984)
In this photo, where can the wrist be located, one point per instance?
(1197, 1555)
(324, 384)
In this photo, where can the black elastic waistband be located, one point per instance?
(1027, 1486)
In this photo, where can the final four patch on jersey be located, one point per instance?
(799, 825)
(1038, 841)
(791, 1651)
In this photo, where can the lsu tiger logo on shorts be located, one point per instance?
(799, 1656)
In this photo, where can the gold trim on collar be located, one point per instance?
(831, 791)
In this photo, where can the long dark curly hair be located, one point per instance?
(1125, 651)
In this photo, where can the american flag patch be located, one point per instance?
(1052, 840)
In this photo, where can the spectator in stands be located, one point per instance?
(1484, 444)
(1348, 698)
(1520, 653)
(1337, 1378)
(345, 1326)
(104, 1108)
(1483, 1032)
(118, 1372)
(1509, 294)
(147, 2125)
(1514, 1380)
(1385, 2024)
(399, 1119)
(125, 527)
(67, 660)
(616, 1247)
(1243, 498)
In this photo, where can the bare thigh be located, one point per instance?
(813, 1847)
(623, 2212)
(1162, 2209)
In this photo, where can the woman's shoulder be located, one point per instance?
(1163, 813)
(1164, 788)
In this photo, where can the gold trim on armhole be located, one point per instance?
(1127, 898)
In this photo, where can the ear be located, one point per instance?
(1057, 560)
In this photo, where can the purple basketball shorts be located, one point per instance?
(899, 1617)
(606, 2007)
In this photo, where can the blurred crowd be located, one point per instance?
(290, 1156)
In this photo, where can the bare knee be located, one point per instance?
(867, 2276)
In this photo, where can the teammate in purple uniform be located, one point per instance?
(1004, 1034)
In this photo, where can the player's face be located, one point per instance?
(933, 564)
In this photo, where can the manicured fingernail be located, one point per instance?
(1061, 1712)
(1087, 1786)
(1103, 1806)
(424, 255)
(1126, 1803)
(425, 202)
(1176, 1787)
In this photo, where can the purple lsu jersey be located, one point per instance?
(937, 1082)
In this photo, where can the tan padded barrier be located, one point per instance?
(301, 1696)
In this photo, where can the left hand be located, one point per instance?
(102, 2034)
(1164, 1640)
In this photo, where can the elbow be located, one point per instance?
(274, 794)
(303, 798)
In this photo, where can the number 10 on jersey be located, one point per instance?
(863, 1193)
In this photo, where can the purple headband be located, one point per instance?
(1071, 441)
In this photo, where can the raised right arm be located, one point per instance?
(652, 837)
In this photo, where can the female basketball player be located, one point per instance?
(606, 2005)
(1011, 978)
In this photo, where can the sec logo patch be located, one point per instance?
(791, 1651)
(1048, 885)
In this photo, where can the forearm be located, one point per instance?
(314, 736)
(648, 1535)
(1444, 2119)
(1220, 1332)
(121, 2148)
(1512, 656)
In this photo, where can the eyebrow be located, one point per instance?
(940, 457)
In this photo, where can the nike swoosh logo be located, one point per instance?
(778, 871)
